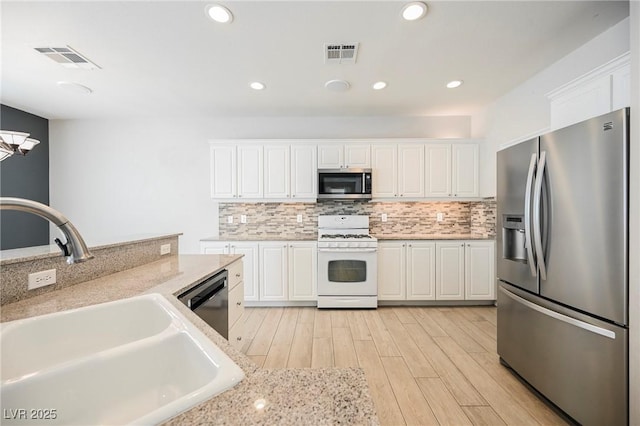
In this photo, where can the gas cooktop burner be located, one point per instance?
(345, 236)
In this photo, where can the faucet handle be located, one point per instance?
(63, 247)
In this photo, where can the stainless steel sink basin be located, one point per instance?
(137, 360)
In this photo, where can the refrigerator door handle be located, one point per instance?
(528, 242)
(537, 212)
(553, 314)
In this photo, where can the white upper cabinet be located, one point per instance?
(451, 170)
(411, 170)
(304, 171)
(250, 171)
(384, 166)
(338, 156)
(465, 170)
(276, 171)
(438, 170)
(223, 171)
(602, 90)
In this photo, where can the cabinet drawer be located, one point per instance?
(235, 274)
(236, 304)
(235, 335)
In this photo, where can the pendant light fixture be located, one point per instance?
(15, 142)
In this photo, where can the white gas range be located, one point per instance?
(347, 263)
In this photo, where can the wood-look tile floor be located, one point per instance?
(424, 365)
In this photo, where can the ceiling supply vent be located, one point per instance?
(67, 57)
(340, 53)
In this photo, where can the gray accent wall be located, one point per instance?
(24, 177)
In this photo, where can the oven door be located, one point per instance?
(347, 272)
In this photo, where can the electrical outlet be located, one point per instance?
(439, 217)
(165, 249)
(299, 218)
(42, 278)
(383, 217)
(229, 219)
(243, 218)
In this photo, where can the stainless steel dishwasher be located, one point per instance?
(209, 300)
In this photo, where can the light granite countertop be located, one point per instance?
(291, 396)
(267, 237)
(433, 237)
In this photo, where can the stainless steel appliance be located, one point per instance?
(563, 266)
(344, 184)
(210, 301)
(347, 263)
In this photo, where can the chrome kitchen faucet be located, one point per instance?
(75, 249)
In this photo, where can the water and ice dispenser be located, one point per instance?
(513, 238)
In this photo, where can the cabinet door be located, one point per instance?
(411, 170)
(210, 247)
(276, 171)
(250, 268)
(384, 159)
(273, 271)
(480, 283)
(330, 156)
(391, 271)
(250, 171)
(465, 170)
(438, 170)
(303, 271)
(421, 270)
(304, 171)
(357, 156)
(450, 271)
(223, 171)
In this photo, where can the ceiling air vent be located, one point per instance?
(67, 57)
(340, 53)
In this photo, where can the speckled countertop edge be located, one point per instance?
(292, 396)
(40, 252)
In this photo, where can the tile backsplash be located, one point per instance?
(279, 220)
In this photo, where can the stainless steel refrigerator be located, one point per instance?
(563, 266)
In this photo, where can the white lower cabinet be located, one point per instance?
(443, 270)
(450, 270)
(406, 270)
(250, 262)
(303, 271)
(480, 277)
(236, 304)
(274, 271)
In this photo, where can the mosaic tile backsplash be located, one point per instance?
(278, 220)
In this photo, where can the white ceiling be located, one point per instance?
(169, 59)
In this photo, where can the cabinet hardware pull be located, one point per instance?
(238, 303)
(238, 338)
(238, 275)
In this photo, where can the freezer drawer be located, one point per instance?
(579, 363)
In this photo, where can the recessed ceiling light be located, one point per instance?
(74, 87)
(337, 85)
(379, 85)
(219, 13)
(256, 85)
(453, 84)
(414, 10)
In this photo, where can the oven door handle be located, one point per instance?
(348, 250)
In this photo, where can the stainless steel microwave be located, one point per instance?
(344, 184)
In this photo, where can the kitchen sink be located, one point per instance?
(136, 360)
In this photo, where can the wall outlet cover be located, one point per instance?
(299, 218)
(383, 217)
(243, 218)
(439, 217)
(165, 249)
(42, 279)
(229, 219)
